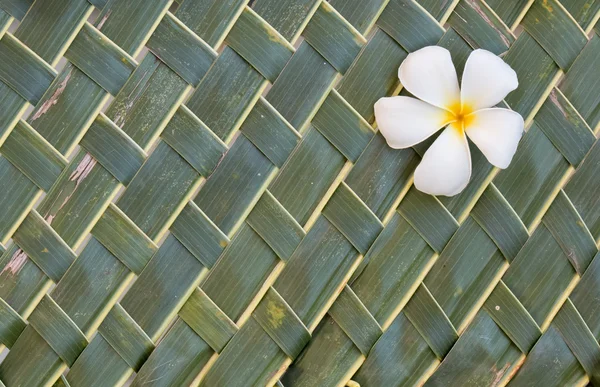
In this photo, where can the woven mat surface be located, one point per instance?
(194, 192)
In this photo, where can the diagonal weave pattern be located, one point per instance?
(219, 210)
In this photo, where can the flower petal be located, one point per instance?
(429, 75)
(406, 121)
(446, 166)
(487, 79)
(496, 132)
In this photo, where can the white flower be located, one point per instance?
(430, 76)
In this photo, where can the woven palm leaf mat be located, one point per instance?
(199, 195)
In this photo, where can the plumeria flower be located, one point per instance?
(429, 75)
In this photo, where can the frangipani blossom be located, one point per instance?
(429, 75)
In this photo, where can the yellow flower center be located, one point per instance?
(460, 116)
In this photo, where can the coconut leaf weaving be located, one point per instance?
(195, 193)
